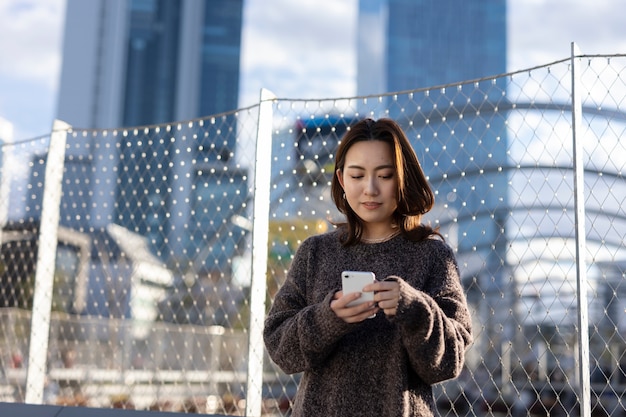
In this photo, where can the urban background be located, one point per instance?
(139, 254)
(530, 194)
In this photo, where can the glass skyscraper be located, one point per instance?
(162, 53)
(129, 63)
(421, 44)
(142, 62)
(409, 44)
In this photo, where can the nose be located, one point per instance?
(371, 187)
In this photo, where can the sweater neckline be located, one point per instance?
(382, 239)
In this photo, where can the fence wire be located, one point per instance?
(152, 266)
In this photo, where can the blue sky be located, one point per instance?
(297, 49)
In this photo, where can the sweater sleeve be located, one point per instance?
(299, 334)
(435, 323)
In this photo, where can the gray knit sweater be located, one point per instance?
(383, 366)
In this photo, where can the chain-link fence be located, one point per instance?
(137, 263)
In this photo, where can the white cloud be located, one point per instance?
(30, 47)
(31, 40)
(303, 49)
(541, 31)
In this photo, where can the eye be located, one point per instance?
(356, 177)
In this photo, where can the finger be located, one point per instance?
(390, 307)
(361, 308)
(385, 296)
(390, 311)
(382, 286)
(356, 313)
(348, 298)
(341, 303)
(387, 304)
(359, 317)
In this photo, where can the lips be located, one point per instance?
(371, 205)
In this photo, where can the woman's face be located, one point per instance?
(369, 181)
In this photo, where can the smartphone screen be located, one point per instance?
(354, 281)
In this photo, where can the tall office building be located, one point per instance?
(140, 62)
(418, 44)
(409, 44)
(130, 63)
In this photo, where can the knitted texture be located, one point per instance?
(384, 366)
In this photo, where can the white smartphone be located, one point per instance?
(354, 281)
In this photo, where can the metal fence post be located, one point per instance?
(260, 236)
(584, 383)
(46, 258)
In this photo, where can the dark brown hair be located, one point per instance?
(414, 194)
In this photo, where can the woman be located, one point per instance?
(386, 365)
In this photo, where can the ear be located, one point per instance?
(339, 174)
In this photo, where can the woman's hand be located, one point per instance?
(352, 314)
(386, 295)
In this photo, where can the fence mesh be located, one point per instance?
(152, 266)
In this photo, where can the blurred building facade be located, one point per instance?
(136, 62)
(426, 44)
(135, 66)
(139, 63)
(406, 45)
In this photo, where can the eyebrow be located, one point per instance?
(375, 169)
